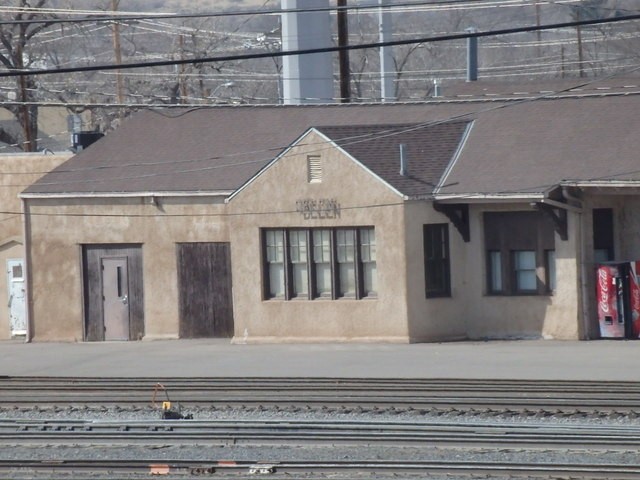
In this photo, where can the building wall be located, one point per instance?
(400, 313)
(556, 316)
(434, 319)
(18, 171)
(470, 312)
(56, 240)
(270, 201)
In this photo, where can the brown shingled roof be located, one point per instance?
(429, 149)
(513, 147)
(531, 147)
(206, 150)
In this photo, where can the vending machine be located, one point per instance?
(618, 297)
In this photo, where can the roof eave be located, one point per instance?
(601, 183)
(487, 197)
(146, 194)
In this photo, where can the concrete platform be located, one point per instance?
(595, 360)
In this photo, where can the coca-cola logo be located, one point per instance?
(604, 290)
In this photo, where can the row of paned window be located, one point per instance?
(519, 254)
(337, 263)
(327, 263)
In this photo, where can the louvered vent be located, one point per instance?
(314, 168)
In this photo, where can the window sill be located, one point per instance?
(319, 299)
(519, 294)
(438, 295)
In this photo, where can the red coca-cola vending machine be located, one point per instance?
(618, 296)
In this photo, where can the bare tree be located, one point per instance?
(15, 55)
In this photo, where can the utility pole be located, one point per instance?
(343, 41)
(538, 32)
(29, 144)
(182, 81)
(579, 35)
(118, 55)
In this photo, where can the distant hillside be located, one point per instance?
(190, 5)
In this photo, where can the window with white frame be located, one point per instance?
(299, 260)
(322, 263)
(524, 264)
(520, 253)
(329, 263)
(495, 269)
(274, 247)
(368, 259)
(346, 248)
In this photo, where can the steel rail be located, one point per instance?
(408, 393)
(287, 432)
(382, 469)
(447, 383)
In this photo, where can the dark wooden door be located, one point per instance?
(113, 292)
(204, 283)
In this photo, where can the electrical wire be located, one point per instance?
(226, 58)
(319, 146)
(429, 5)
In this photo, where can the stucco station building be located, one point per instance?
(455, 218)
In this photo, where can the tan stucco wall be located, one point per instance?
(469, 312)
(434, 319)
(400, 313)
(56, 245)
(549, 316)
(270, 201)
(17, 172)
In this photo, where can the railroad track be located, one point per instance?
(110, 418)
(408, 394)
(313, 470)
(238, 432)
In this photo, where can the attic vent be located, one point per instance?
(314, 169)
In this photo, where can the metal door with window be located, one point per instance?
(113, 292)
(115, 298)
(16, 293)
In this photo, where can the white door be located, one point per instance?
(17, 307)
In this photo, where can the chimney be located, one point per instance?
(472, 56)
(403, 160)
(436, 88)
(82, 140)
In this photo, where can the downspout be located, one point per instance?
(584, 288)
(26, 232)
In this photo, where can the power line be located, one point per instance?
(97, 15)
(317, 146)
(228, 58)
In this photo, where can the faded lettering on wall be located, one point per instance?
(318, 208)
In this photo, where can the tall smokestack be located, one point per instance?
(472, 56)
(306, 78)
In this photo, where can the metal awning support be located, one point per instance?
(458, 214)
